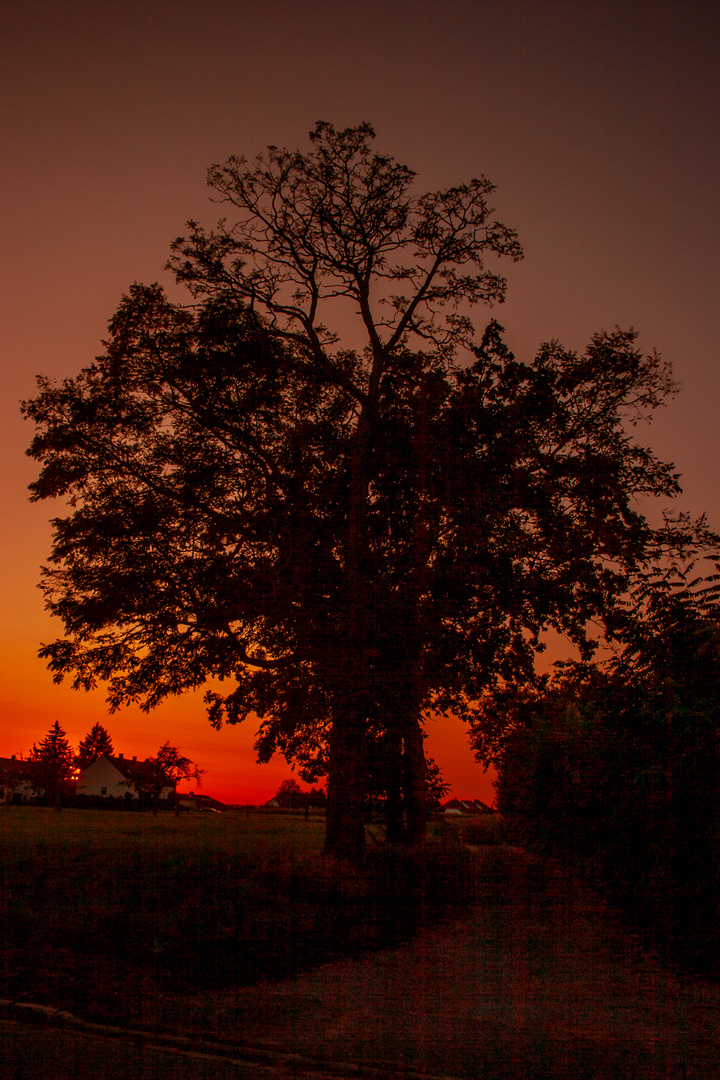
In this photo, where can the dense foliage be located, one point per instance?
(351, 537)
(290, 796)
(618, 769)
(163, 770)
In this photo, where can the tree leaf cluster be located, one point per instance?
(353, 532)
(209, 486)
(616, 769)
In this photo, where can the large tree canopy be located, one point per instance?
(352, 537)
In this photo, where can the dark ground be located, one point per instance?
(538, 980)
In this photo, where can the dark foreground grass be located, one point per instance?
(100, 910)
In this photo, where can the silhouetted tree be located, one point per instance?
(289, 794)
(96, 742)
(391, 780)
(617, 767)
(354, 537)
(53, 764)
(162, 771)
(436, 788)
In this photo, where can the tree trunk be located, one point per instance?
(415, 775)
(345, 828)
(394, 825)
(414, 764)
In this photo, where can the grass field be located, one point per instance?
(100, 909)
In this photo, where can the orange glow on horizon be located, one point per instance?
(233, 775)
(597, 123)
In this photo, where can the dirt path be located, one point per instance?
(537, 981)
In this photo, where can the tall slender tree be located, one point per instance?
(53, 762)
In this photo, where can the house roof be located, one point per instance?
(203, 800)
(14, 767)
(467, 806)
(131, 768)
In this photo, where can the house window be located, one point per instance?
(103, 791)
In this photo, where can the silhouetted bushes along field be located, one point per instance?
(100, 909)
(634, 807)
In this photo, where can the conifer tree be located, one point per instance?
(96, 742)
(53, 762)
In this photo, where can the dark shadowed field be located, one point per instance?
(528, 974)
(102, 910)
(233, 937)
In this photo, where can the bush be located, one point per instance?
(621, 774)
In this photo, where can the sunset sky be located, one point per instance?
(598, 121)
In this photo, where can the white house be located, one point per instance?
(114, 777)
(15, 782)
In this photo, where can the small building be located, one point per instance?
(466, 806)
(118, 777)
(16, 781)
(194, 801)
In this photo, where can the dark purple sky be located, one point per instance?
(598, 121)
